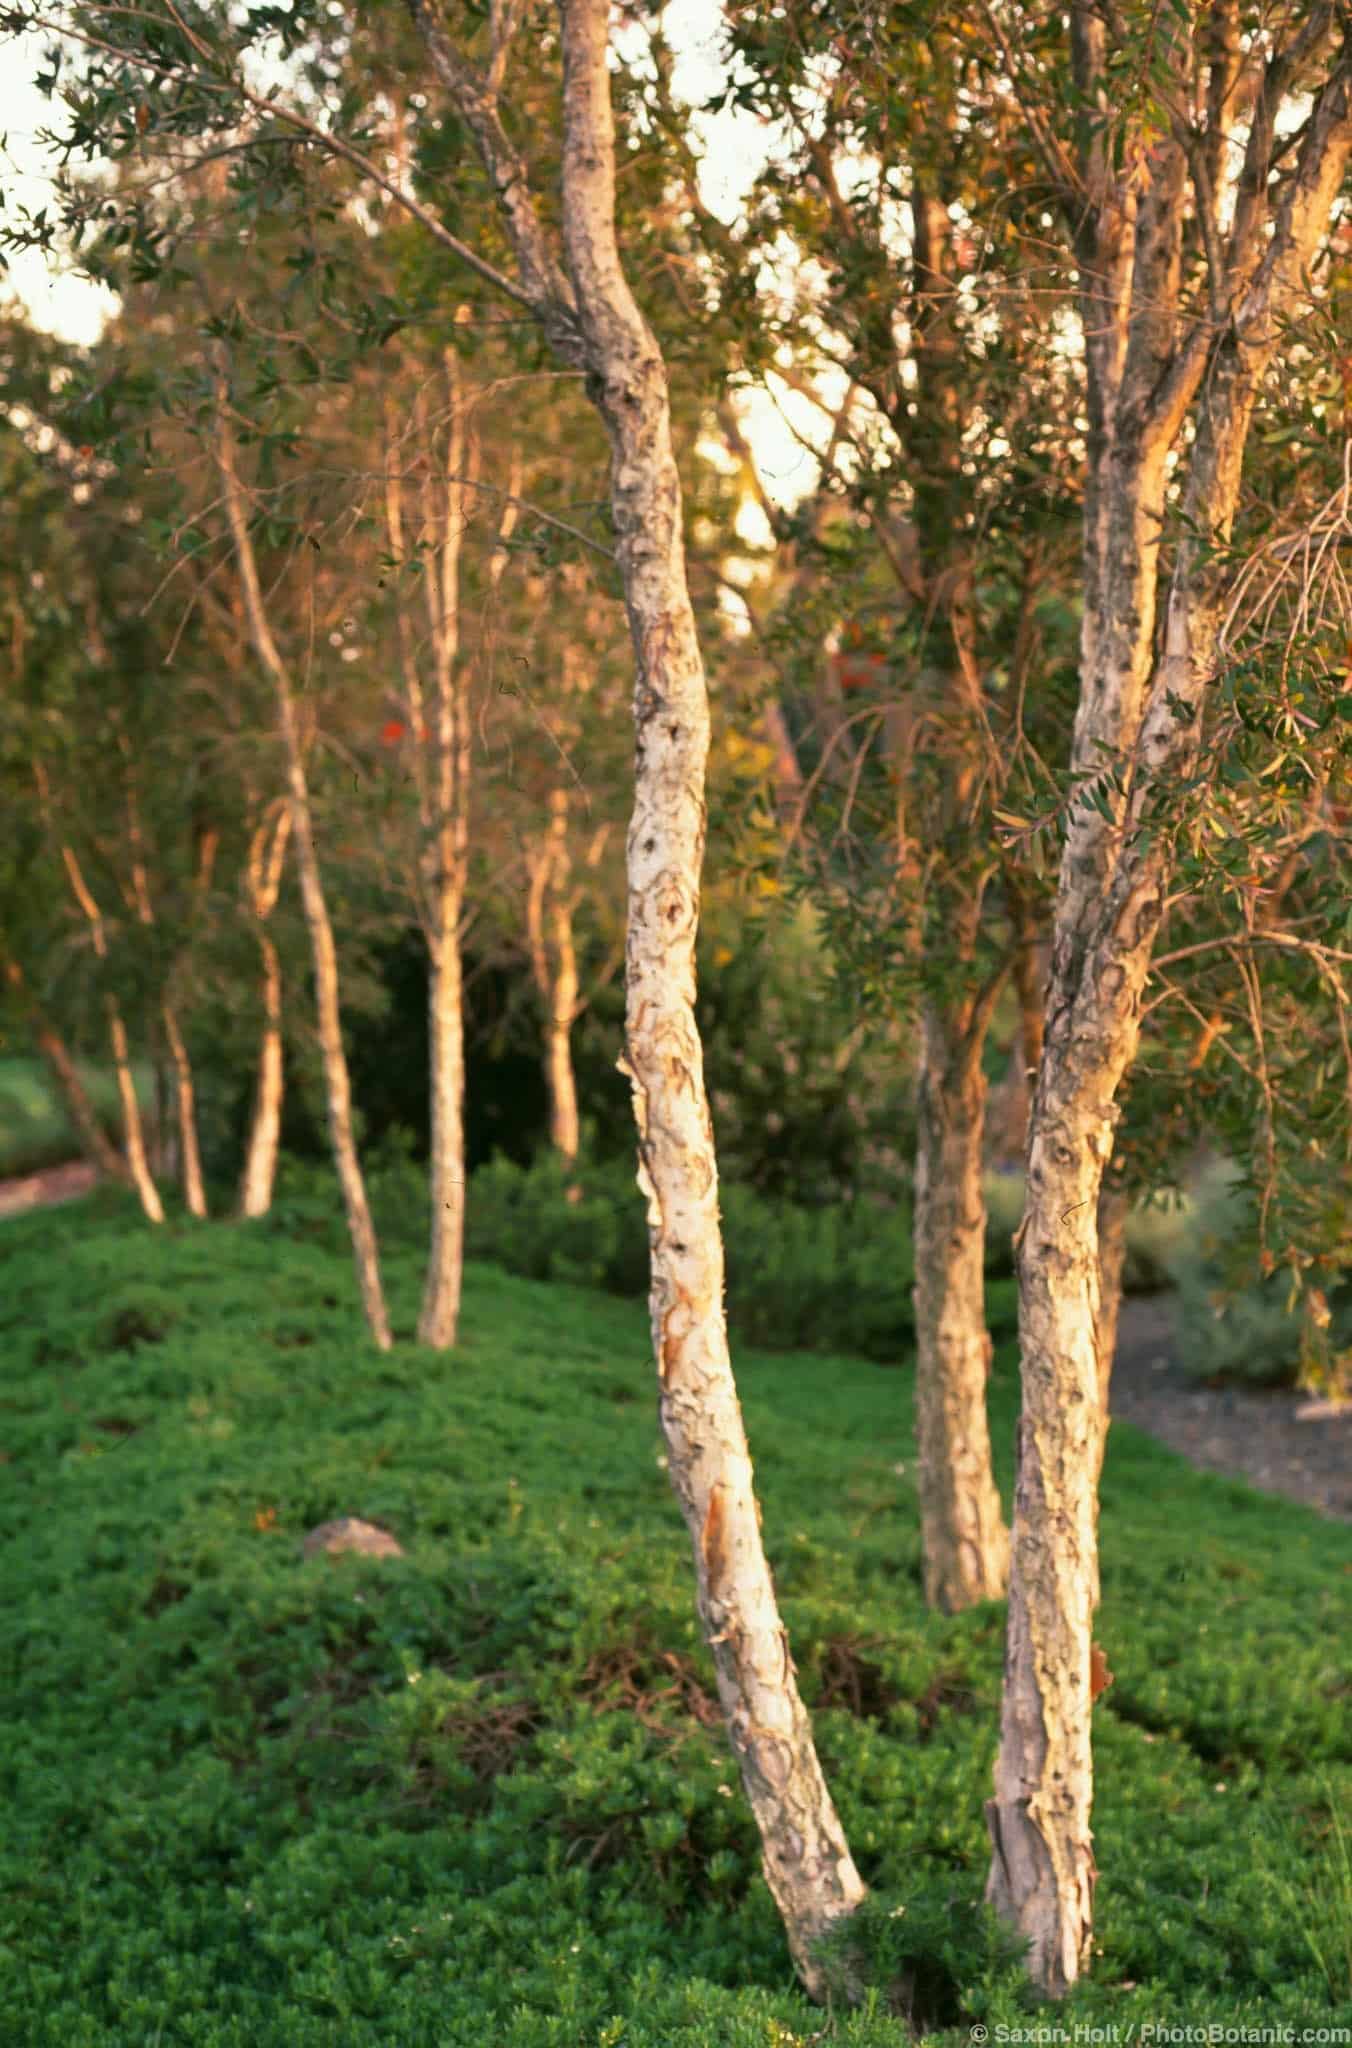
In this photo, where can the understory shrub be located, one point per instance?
(1236, 1322)
(808, 1278)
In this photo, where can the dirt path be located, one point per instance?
(53, 1184)
(1261, 1437)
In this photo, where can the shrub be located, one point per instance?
(806, 1278)
(1234, 1321)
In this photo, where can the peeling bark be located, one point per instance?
(1139, 713)
(590, 316)
(807, 1864)
(966, 1544)
(1113, 1207)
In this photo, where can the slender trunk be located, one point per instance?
(966, 1544)
(1140, 712)
(84, 1118)
(265, 1123)
(263, 879)
(564, 1131)
(446, 1029)
(444, 809)
(194, 1188)
(338, 1090)
(133, 1133)
(549, 914)
(1113, 1206)
(807, 1863)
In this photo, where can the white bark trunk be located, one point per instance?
(553, 956)
(267, 858)
(133, 1132)
(194, 1187)
(1113, 1207)
(807, 1863)
(1143, 379)
(445, 1260)
(338, 1091)
(966, 1544)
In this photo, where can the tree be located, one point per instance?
(1183, 314)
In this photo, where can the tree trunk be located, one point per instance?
(807, 1863)
(265, 1124)
(338, 1090)
(263, 881)
(966, 1544)
(84, 1118)
(549, 914)
(194, 1188)
(1113, 1207)
(446, 1026)
(1139, 713)
(133, 1133)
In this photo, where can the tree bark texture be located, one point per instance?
(338, 1089)
(1114, 1205)
(589, 315)
(1136, 727)
(966, 1544)
(807, 1863)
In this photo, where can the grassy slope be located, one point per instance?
(474, 1796)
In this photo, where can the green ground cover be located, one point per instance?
(479, 1795)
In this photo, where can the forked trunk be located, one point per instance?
(194, 1188)
(337, 1085)
(265, 1123)
(807, 1863)
(966, 1544)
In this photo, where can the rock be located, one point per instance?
(347, 1533)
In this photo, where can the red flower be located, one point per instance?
(392, 730)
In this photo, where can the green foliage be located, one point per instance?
(1236, 1321)
(813, 1279)
(480, 1793)
(34, 1128)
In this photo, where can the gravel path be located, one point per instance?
(1280, 1442)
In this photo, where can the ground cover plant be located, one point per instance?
(480, 1793)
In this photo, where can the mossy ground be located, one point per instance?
(480, 1795)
